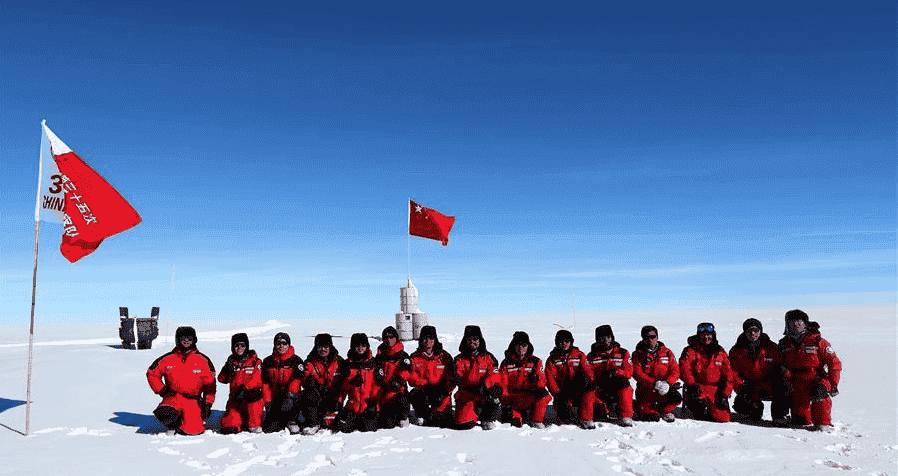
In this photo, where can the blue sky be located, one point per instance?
(659, 158)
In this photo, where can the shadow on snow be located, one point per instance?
(149, 425)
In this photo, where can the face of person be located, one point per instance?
(390, 341)
(753, 334)
(429, 343)
(361, 349)
(323, 350)
(473, 342)
(651, 339)
(565, 345)
(186, 341)
(706, 338)
(240, 348)
(282, 347)
(521, 349)
(797, 326)
(605, 341)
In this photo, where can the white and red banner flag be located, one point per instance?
(70, 192)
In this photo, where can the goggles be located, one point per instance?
(282, 342)
(187, 339)
(240, 344)
(706, 328)
(753, 330)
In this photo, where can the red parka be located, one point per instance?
(188, 373)
(515, 373)
(615, 358)
(327, 372)
(650, 366)
(245, 373)
(436, 369)
(563, 368)
(756, 363)
(473, 370)
(360, 387)
(397, 366)
(706, 366)
(810, 354)
(281, 374)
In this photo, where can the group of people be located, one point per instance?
(369, 390)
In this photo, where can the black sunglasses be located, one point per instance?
(651, 336)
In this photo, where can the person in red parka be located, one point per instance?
(432, 380)
(756, 363)
(812, 369)
(185, 379)
(322, 385)
(243, 371)
(479, 385)
(524, 383)
(656, 373)
(282, 374)
(568, 377)
(612, 396)
(392, 372)
(360, 388)
(706, 375)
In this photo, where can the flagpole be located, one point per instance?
(37, 233)
(407, 242)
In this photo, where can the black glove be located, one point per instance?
(288, 402)
(239, 394)
(380, 374)
(167, 392)
(310, 383)
(482, 390)
(228, 367)
(539, 392)
(723, 403)
(533, 377)
(495, 392)
(396, 384)
(253, 395)
(583, 382)
(834, 391)
(691, 392)
(819, 393)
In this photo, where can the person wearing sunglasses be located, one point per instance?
(611, 397)
(813, 371)
(432, 380)
(479, 383)
(282, 374)
(393, 369)
(569, 378)
(756, 365)
(524, 383)
(360, 388)
(243, 372)
(185, 379)
(322, 385)
(656, 372)
(707, 376)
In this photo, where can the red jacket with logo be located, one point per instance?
(810, 354)
(473, 370)
(563, 368)
(360, 387)
(515, 373)
(281, 374)
(396, 365)
(326, 372)
(188, 373)
(436, 369)
(651, 366)
(615, 358)
(246, 373)
(754, 363)
(706, 366)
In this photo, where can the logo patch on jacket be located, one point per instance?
(829, 350)
(196, 371)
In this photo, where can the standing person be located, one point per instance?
(656, 373)
(322, 385)
(812, 369)
(185, 379)
(432, 380)
(610, 365)
(756, 363)
(282, 374)
(393, 371)
(360, 388)
(706, 375)
(568, 377)
(243, 371)
(479, 386)
(524, 383)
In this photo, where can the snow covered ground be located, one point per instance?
(91, 411)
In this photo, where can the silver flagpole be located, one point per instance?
(37, 233)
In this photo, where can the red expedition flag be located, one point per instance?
(77, 196)
(429, 223)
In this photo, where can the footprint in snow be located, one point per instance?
(841, 448)
(320, 462)
(832, 464)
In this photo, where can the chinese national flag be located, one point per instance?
(92, 209)
(429, 223)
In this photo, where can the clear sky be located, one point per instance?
(658, 156)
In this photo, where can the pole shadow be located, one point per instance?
(149, 425)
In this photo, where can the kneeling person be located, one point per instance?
(393, 370)
(431, 380)
(243, 371)
(611, 368)
(282, 374)
(523, 383)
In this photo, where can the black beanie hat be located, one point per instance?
(239, 337)
(389, 331)
(471, 331)
(322, 340)
(604, 330)
(797, 314)
(646, 329)
(752, 322)
(358, 339)
(281, 336)
(519, 337)
(563, 335)
(184, 331)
